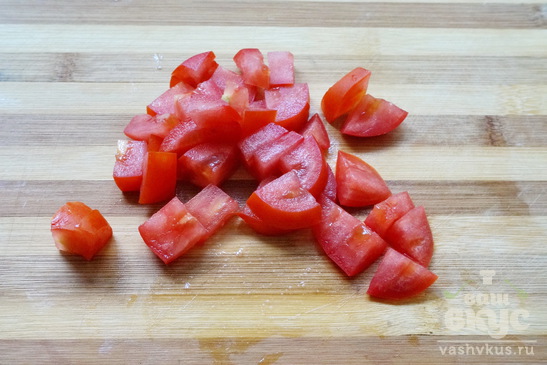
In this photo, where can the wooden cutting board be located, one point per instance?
(473, 151)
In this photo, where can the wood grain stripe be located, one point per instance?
(43, 130)
(366, 42)
(274, 13)
(491, 198)
(122, 67)
(417, 99)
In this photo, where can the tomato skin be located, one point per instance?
(281, 64)
(260, 225)
(195, 69)
(307, 160)
(212, 207)
(142, 126)
(165, 103)
(292, 104)
(285, 204)
(251, 63)
(80, 230)
(159, 177)
(357, 183)
(172, 231)
(373, 117)
(341, 97)
(316, 128)
(208, 163)
(385, 213)
(398, 277)
(411, 235)
(347, 241)
(128, 168)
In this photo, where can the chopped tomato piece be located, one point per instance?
(172, 231)
(80, 230)
(142, 126)
(260, 225)
(330, 187)
(208, 163)
(251, 63)
(159, 178)
(341, 97)
(398, 277)
(184, 136)
(154, 143)
(411, 235)
(265, 160)
(310, 166)
(263, 137)
(285, 203)
(165, 103)
(228, 81)
(128, 166)
(212, 207)
(281, 64)
(346, 240)
(292, 104)
(385, 213)
(357, 183)
(373, 117)
(255, 118)
(195, 69)
(316, 128)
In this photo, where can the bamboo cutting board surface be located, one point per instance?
(473, 151)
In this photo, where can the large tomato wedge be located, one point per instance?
(159, 179)
(385, 213)
(212, 207)
(373, 117)
(128, 166)
(346, 240)
(292, 104)
(358, 184)
(341, 97)
(398, 277)
(251, 63)
(208, 163)
(172, 231)
(194, 70)
(80, 230)
(310, 166)
(281, 64)
(411, 235)
(285, 203)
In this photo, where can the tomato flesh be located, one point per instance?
(341, 97)
(316, 128)
(358, 184)
(142, 126)
(251, 63)
(172, 231)
(385, 213)
(128, 168)
(398, 277)
(281, 64)
(165, 103)
(292, 104)
(263, 137)
(80, 230)
(373, 117)
(255, 118)
(266, 159)
(411, 235)
(159, 178)
(285, 203)
(208, 163)
(347, 241)
(212, 207)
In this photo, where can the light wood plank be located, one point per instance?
(310, 40)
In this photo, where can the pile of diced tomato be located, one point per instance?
(212, 120)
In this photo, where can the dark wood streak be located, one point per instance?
(273, 13)
(497, 198)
